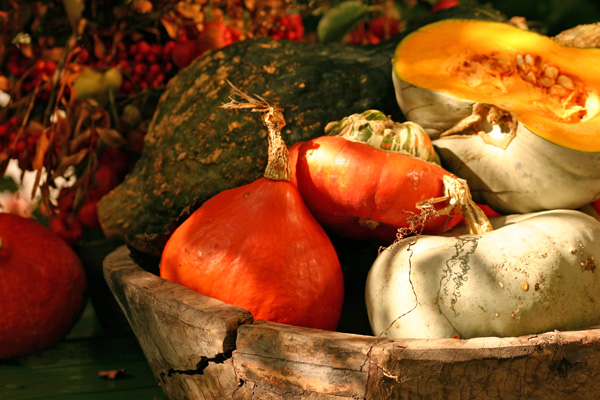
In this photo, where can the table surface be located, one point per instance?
(70, 369)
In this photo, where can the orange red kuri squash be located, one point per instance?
(364, 191)
(42, 289)
(257, 246)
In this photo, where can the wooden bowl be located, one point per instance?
(201, 348)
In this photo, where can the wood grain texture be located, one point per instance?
(201, 348)
(187, 338)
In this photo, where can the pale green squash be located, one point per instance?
(533, 273)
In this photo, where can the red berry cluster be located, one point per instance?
(17, 64)
(443, 4)
(376, 30)
(34, 73)
(288, 27)
(21, 142)
(143, 65)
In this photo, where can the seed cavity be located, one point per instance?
(562, 97)
(568, 100)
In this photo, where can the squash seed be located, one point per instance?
(551, 72)
(565, 82)
(530, 77)
(525, 286)
(546, 81)
(528, 60)
(558, 90)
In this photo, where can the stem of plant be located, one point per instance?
(278, 164)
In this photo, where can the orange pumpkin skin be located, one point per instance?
(366, 193)
(258, 247)
(42, 287)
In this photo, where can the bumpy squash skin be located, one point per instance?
(344, 182)
(534, 273)
(194, 149)
(258, 247)
(532, 174)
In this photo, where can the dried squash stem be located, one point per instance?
(278, 164)
(457, 194)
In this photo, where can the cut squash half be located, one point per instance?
(552, 89)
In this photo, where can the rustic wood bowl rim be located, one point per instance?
(134, 271)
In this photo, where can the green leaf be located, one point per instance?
(340, 20)
(8, 184)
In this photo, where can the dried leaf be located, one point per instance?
(26, 50)
(111, 137)
(112, 374)
(47, 207)
(36, 183)
(81, 139)
(70, 75)
(5, 84)
(68, 161)
(189, 10)
(61, 126)
(99, 48)
(81, 114)
(81, 193)
(142, 6)
(170, 26)
(99, 114)
(41, 148)
(35, 126)
(93, 102)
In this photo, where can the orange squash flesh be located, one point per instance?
(554, 90)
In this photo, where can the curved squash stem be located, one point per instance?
(457, 194)
(278, 164)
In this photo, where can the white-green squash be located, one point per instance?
(530, 174)
(532, 273)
